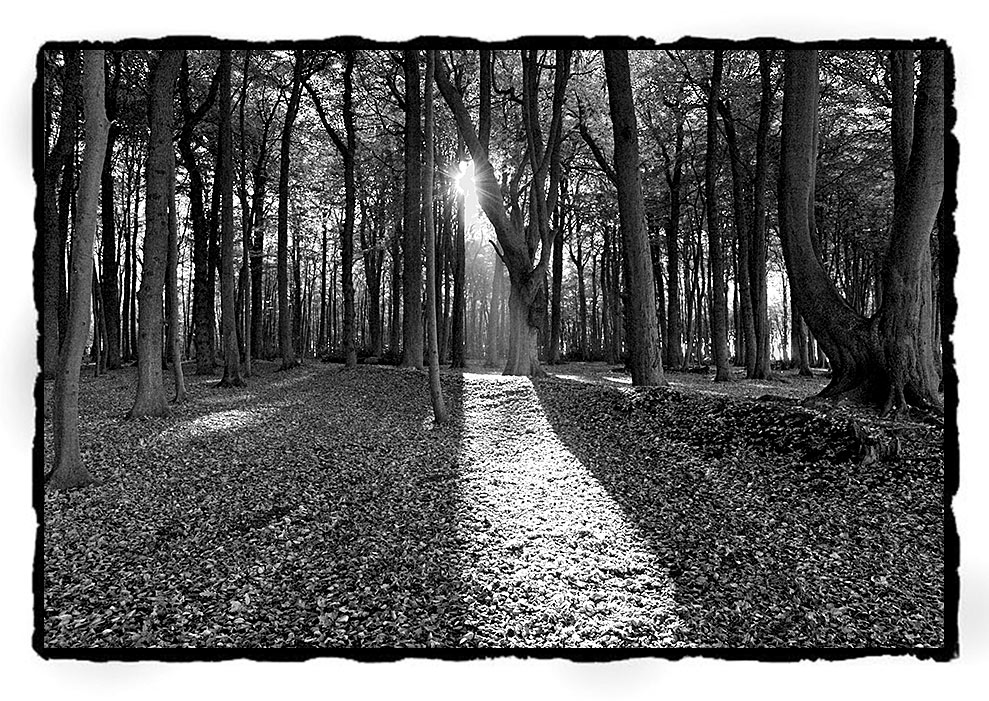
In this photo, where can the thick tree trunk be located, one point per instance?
(150, 399)
(228, 307)
(412, 342)
(905, 318)
(68, 470)
(719, 298)
(645, 359)
(435, 390)
(286, 349)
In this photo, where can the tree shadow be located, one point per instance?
(320, 514)
(763, 552)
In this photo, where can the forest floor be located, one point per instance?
(320, 507)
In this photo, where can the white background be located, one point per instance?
(26, 26)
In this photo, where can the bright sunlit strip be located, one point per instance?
(560, 559)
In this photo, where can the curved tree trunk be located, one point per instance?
(905, 318)
(150, 399)
(68, 470)
(886, 359)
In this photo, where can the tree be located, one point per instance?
(645, 359)
(887, 358)
(518, 244)
(231, 351)
(54, 248)
(174, 320)
(150, 399)
(435, 390)
(347, 146)
(284, 317)
(68, 470)
(719, 298)
(411, 231)
(203, 313)
(108, 233)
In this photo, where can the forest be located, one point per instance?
(348, 344)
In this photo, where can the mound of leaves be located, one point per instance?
(780, 525)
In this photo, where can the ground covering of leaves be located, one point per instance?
(320, 507)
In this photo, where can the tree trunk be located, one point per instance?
(758, 249)
(435, 390)
(203, 297)
(228, 306)
(457, 339)
(746, 340)
(109, 290)
(68, 470)
(174, 336)
(285, 346)
(54, 248)
(645, 359)
(906, 319)
(719, 298)
(556, 294)
(150, 399)
(412, 341)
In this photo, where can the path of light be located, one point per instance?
(542, 534)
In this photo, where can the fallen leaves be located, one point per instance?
(320, 508)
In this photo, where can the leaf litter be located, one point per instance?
(321, 508)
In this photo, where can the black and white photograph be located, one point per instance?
(453, 349)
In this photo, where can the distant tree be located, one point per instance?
(150, 399)
(68, 470)
(645, 356)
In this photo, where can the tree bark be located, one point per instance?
(150, 399)
(744, 234)
(68, 470)
(906, 319)
(174, 336)
(517, 248)
(412, 342)
(110, 291)
(228, 307)
(285, 346)
(758, 249)
(54, 248)
(203, 314)
(719, 298)
(645, 359)
(435, 390)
